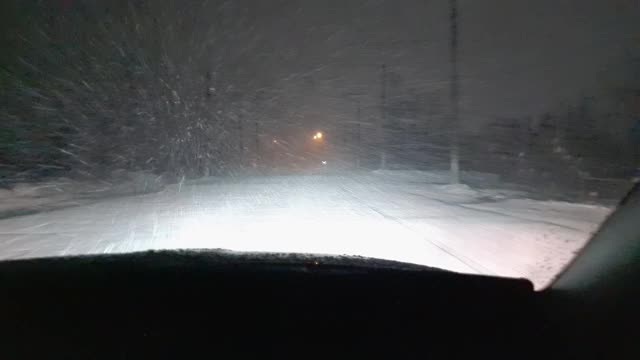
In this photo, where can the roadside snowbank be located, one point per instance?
(440, 176)
(29, 198)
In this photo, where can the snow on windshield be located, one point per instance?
(443, 133)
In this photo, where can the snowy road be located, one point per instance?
(403, 218)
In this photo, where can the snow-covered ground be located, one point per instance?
(404, 216)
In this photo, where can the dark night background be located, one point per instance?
(549, 90)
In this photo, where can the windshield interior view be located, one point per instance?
(331, 178)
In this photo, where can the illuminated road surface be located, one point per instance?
(404, 219)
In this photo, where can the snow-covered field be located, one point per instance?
(404, 216)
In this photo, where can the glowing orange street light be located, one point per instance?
(317, 136)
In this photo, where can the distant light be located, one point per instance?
(319, 135)
(324, 162)
(275, 141)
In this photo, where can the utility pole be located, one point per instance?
(454, 96)
(257, 143)
(209, 80)
(343, 136)
(383, 119)
(358, 138)
(241, 139)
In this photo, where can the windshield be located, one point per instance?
(484, 137)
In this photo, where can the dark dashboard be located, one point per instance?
(210, 304)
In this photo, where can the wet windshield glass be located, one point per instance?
(487, 137)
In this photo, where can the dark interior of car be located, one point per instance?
(210, 304)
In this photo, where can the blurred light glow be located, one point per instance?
(304, 231)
